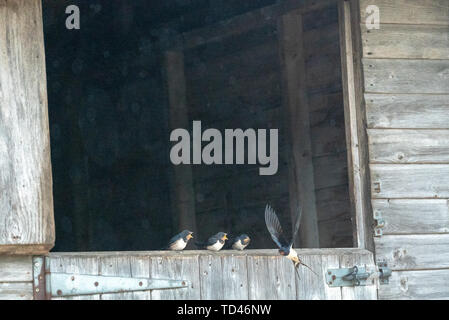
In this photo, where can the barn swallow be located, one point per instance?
(238, 243)
(214, 243)
(285, 248)
(179, 242)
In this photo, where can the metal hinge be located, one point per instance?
(56, 284)
(357, 276)
(379, 223)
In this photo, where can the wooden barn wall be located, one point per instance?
(16, 278)
(236, 83)
(406, 75)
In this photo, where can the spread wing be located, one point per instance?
(274, 227)
(296, 226)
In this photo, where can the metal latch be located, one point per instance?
(357, 276)
(56, 284)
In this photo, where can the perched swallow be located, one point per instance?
(285, 248)
(179, 241)
(238, 243)
(214, 243)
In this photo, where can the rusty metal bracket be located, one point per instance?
(379, 223)
(358, 276)
(39, 278)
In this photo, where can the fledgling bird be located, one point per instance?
(285, 248)
(238, 243)
(179, 242)
(214, 243)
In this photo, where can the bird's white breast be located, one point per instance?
(216, 246)
(238, 245)
(292, 255)
(178, 245)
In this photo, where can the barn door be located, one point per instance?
(193, 275)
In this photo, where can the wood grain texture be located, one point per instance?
(271, 278)
(412, 252)
(16, 268)
(211, 277)
(416, 285)
(413, 216)
(310, 286)
(180, 267)
(407, 111)
(16, 291)
(406, 76)
(410, 180)
(408, 146)
(406, 41)
(183, 203)
(356, 136)
(235, 275)
(301, 167)
(26, 204)
(409, 11)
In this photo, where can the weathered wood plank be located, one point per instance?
(413, 216)
(411, 252)
(407, 111)
(406, 41)
(26, 215)
(406, 76)
(16, 291)
(416, 285)
(310, 286)
(409, 11)
(409, 180)
(178, 267)
(16, 268)
(115, 266)
(211, 277)
(301, 168)
(330, 262)
(235, 277)
(408, 146)
(330, 171)
(356, 137)
(183, 203)
(271, 278)
(368, 292)
(76, 264)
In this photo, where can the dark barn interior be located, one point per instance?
(110, 123)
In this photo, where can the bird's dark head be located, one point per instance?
(245, 239)
(284, 251)
(222, 236)
(187, 235)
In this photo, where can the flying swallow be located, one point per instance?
(179, 241)
(238, 243)
(285, 248)
(214, 243)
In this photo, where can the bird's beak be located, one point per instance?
(189, 236)
(225, 238)
(246, 240)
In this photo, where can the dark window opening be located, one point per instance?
(110, 123)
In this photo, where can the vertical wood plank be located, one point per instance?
(115, 266)
(330, 262)
(211, 277)
(301, 181)
(176, 268)
(182, 180)
(76, 265)
(26, 202)
(310, 286)
(235, 278)
(356, 136)
(270, 277)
